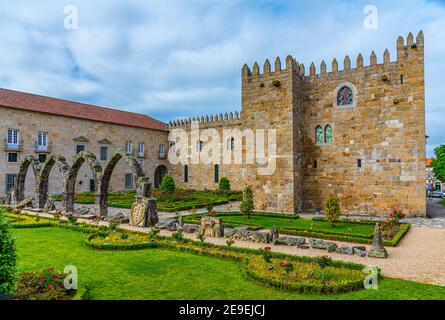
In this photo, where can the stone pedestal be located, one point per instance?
(212, 227)
(144, 213)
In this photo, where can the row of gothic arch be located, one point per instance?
(101, 177)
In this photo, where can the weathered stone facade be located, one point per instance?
(64, 134)
(375, 160)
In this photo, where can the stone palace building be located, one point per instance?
(358, 132)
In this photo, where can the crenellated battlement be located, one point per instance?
(230, 118)
(403, 52)
(291, 65)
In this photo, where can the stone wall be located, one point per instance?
(62, 133)
(385, 131)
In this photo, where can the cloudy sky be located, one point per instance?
(179, 58)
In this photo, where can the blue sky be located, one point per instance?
(179, 58)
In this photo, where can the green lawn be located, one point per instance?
(165, 274)
(269, 222)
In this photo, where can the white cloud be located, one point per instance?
(177, 58)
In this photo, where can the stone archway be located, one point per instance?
(64, 168)
(32, 161)
(160, 172)
(141, 181)
(96, 169)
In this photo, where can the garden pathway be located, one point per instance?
(435, 213)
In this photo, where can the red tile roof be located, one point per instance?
(37, 103)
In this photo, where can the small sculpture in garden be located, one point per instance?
(377, 250)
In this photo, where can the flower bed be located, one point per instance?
(119, 241)
(307, 278)
(45, 285)
(24, 221)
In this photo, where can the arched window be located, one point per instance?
(328, 134)
(186, 174)
(216, 173)
(231, 143)
(345, 97)
(319, 135)
(161, 151)
(199, 145)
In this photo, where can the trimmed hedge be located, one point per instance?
(404, 228)
(118, 246)
(355, 221)
(31, 225)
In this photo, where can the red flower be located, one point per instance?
(42, 280)
(55, 276)
(50, 287)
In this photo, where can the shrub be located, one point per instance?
(177, 236)
(154, 233)
(168, 184)
(113, 226)
(247, 206)
(71, 218)
(8, 257)
(332, 209)
(224, 185)
(286, 265)
(266, 253)
(230, 242)
(43, 285)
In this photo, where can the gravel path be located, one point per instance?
(435, 213)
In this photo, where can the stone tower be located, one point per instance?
(270, 100)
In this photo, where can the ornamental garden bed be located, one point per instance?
(18, 220)
(355, 231)
(179, 201)
(47, 284)
(310, 278)
(104, 240)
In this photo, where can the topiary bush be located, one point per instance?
(224, 185)
(8, 259)
(247, 206)
(332, 209)
(168, 184)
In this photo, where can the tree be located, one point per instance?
(439, 163)
(8, 257)
(224, 185)
(332, 209)
(247, 206)
(168, 184)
